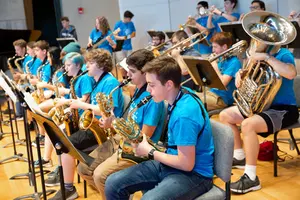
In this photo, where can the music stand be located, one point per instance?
(119, 47)
(194, 30)
(295, 43)
(203, 74)
(151, 33)
(65, 41)
(236, 29)
(62, 144)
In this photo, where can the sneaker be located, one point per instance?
(42, 142)
(69, 195)
(45, 163)
(19, 118)
(54, 172)
(238, 164)
(53, 179)
(245, 184)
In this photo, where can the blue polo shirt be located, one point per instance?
(222, 19)
(25, 61)
(34, 65)
(83, 85)
(202, 48)
(106, 85)
(46, 72)
(228, 67)
(94, 35)
(151, 114)
(285, 95)
(186, 122)
(126, 30)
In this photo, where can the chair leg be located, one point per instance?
(227, 190)
(84, 189)
(78, 177)
(275, 154)
(294, 141)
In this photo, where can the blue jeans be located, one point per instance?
(160, 182)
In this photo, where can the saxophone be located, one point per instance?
(105, 103)
(9, 64)
(130, 130)
(38, 94)
(260, 83)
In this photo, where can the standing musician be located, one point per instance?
(185, 171)
(127, 33)
(177, 54)
(102, 31)
(226, 70)
(99, 64)
(149, 117)
(282, 113)
(68, 31)
(256, 5)
(227, 16)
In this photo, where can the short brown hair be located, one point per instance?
(20, 42)
(64, 18)
(102, 57)
(31, 44)
(139, 58)
(166, 68)
(181, 34)
(223, 38)
(42, 44)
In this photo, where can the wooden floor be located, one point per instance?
(285, 186)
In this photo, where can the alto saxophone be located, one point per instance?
(38, 94)
(9, 64)
(88, 119)
(130, 130)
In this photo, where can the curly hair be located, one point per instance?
(102, 57)
(104, 25)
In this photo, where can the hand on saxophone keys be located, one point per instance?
(143, 148)
(106, 122)
(76, 104)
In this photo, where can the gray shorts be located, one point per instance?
(279, 117)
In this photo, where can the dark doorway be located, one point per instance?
(46, 15)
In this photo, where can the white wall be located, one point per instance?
(85, 22)
(12, 14)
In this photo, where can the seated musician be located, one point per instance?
(256, 5)
(102, 31)
(184, 50)
(223, 16)
(158, 38)
(226, 70)
(82, 88)
(185, 171)
(33, 64)
(149, 117)
(282, 113)
(127, 33)
(99, 64)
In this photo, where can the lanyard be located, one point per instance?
(97, 83)
(136, 95)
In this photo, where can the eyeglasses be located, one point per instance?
(254, 7)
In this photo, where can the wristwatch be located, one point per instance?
(151, 154)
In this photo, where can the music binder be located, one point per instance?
(236, 29)
(65, 41)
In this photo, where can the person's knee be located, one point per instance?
(82, 170)
(111, 184)
(248, 126)
(224, 116)
(99, 178)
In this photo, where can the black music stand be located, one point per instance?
(203, 74)
(236, 29)
(119, 47)
(64, 41)
(62, 145)
(169, 34)
(194, 30)
(296, 43)
(151, 33)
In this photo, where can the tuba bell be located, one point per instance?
(260, 83)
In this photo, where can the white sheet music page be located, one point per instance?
(7, 89)
(34, 107)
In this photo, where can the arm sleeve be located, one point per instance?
(233, 68)
(152, 113)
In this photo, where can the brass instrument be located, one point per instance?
(10, 67)
(235, 50)
(38, 94)
(183, 44)
(261, 83)
(131, 130)
(19, 67)
(105, 103)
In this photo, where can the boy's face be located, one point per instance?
(30, 51)
(41, 54)
(228, 5)
(20, 51)
(137, 77)
(156, 89)
(93, 68)
(217, 49)
(255, 7)
(71, 68)
(156, 41)
(127, 19)
(65, 24)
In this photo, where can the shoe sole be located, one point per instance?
(44, 165)
(238, 167)
(247, 190)
(73, 196)
(52, 184)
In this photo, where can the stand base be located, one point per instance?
(289, 141)
(35, 195)
(26, 175)
(20, 142)
(18, 156)
(2, 135)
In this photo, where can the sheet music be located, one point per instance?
(124, 65)
(34, 107)
(7, 89)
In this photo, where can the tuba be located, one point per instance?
(260, 83)
(105, 103)
(131, 130)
